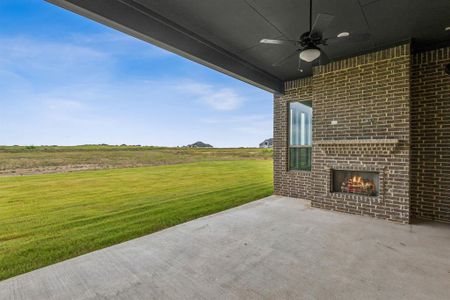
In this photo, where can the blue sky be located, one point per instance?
(67, 80)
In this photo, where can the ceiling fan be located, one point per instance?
(308, 44)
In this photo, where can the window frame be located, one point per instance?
(288, 144)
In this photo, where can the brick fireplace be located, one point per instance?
(365, 118)
(359, 182)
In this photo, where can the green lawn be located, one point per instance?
(48, 218)
(34, 160)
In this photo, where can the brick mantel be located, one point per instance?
(375, 146)
(342, 142)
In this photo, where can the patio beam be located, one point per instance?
(139, 21)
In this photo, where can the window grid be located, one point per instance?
(300, 135)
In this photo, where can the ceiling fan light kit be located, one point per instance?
(309, 42)
(310, 54)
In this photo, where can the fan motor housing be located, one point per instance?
(447, 69)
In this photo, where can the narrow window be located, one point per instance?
(300, 139)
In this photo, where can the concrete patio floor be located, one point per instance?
(274, 248)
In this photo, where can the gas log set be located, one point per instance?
(359, 185)
(353, 182)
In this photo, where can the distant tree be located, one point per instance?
(199, 145)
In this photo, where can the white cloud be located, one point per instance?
(75, 58)
(30, 52)
(216, 97)
(72, 92)
(254, 124)
(120, 44)
(223, 99)
(41, 63)
(59, 105)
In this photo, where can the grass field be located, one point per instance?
(47, 218)
(26, 160)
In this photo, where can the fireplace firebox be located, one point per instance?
(355, 182)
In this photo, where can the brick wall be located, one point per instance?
(430, 136)
(289, 183)
(369, 98)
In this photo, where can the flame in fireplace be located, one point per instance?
(359, 185)
(358, 180)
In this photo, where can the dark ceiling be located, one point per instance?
(233, 29)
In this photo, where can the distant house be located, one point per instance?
(199, 145)
(266, 144)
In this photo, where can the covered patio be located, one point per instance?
(274, 248)
(361, 104)
(361, 89)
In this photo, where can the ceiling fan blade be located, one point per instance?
(284, 59)
(323, 59)
(321, 24)
(353, 38)
(278, 42)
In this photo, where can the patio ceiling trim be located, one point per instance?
(136, 20)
